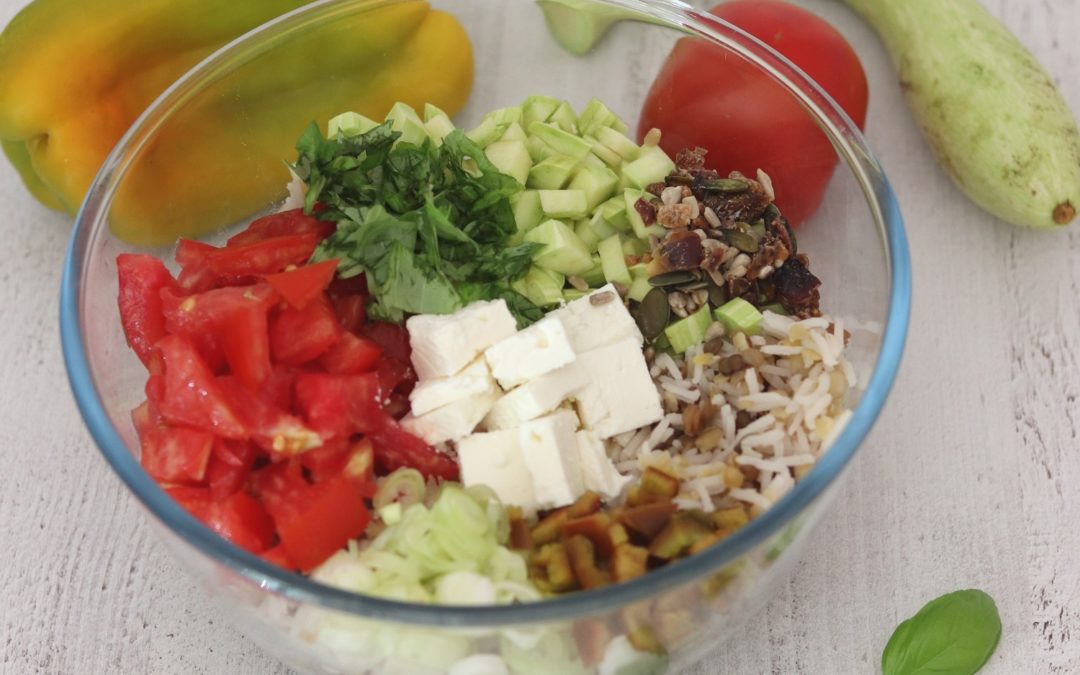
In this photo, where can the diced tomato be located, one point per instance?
(155, 394)
(282, 224)
(176, 454)
(142, 277)
(392, 337)
(280, 557)
(268, 256)
(303, 284)
(395, 447)
(239, 518)
(334, 514)
(230, 321)
(229, 466)
(351, 355)
(278, 387)
(192, 396)
(270, 427)
(341, 457)
(354, 285)
(282, 489)
(195, 275)
(395, 375)
(192, 251)
(351, 311)
(301, 335)
(340, 405)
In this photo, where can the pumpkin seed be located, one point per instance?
(695, 285)
(725, 185)
(718, 295)
(653, 314)
(744, 241)
(672, 278)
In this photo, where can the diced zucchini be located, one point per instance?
(494, 125)
(538, 109)
(651, 166)
(600, 227)
(598, 183)
(630, 197)
(595, 275)
(739, 316)
(563, 250)
(349, 124)
(639, 288)
(564, 118)
(685, 333)
(438, 128)
(614, 212)
(552, 173)
(570, 294)
(405, 120)
(592, 160)
(619, 144)
(527, 211)
(511, 158)
(562, 142)
(634, 246)
(583, 228)
(538, 149)
(639, 270)
(431, 111)
(612, 260)
(514, 132)
(563, 203)
(608, 156)
(542, 287)
(595, 116)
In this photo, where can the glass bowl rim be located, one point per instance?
(846, 138)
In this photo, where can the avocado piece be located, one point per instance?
(527, 211)
(563, 251)
(562, 142)
(404, 119)
(552, 173)
(613, 262)
(651, 166)
(511, 158)
(567, 203)
(629, 562)
(598, 184)
(622, 146)
(685, 333)
(549, 527)
(349, 124)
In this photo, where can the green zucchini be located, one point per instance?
(988, 110)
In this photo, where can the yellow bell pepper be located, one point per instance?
(74, 75)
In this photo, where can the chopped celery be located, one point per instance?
(639, 287)
(685, 333)
(739, 316)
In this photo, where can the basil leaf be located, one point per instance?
(952, 635)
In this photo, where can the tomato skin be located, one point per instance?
(351, 355)
(706, 96)
(282, 224)
(395, 447)
(335, 513)
(209, 267)
(141, 279)
(191, 395)
(298, 336)
(340, 405)
(302, 285)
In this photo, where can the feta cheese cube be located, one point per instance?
(536, 397)
(453, 421)
(620, 394)
(428, 395)
(590, 325)
(551, 453)
(598, 473)
(443, 344)
(495, 459)
(539, 349)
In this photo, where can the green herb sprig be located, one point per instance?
(428, 225)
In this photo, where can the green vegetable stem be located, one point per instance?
(952, 635)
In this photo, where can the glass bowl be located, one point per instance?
(856, 241)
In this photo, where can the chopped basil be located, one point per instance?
(952, 635)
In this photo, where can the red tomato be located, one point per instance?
(280, 557)
(335, 512)
(341, 457)
(340, 405)
(282, 224)
(351, 311)
(282, 490)
(192, 396)
(142, 278)
(229, 466)
(232, 321)
(238, 518)
(392, 337)
(176, 455)
(301, 335)
(303, 284)
(351, 355)
(209, 267)
(273, 429)
(395, 447)
(705, 96)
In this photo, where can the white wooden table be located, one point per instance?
(970, 479)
